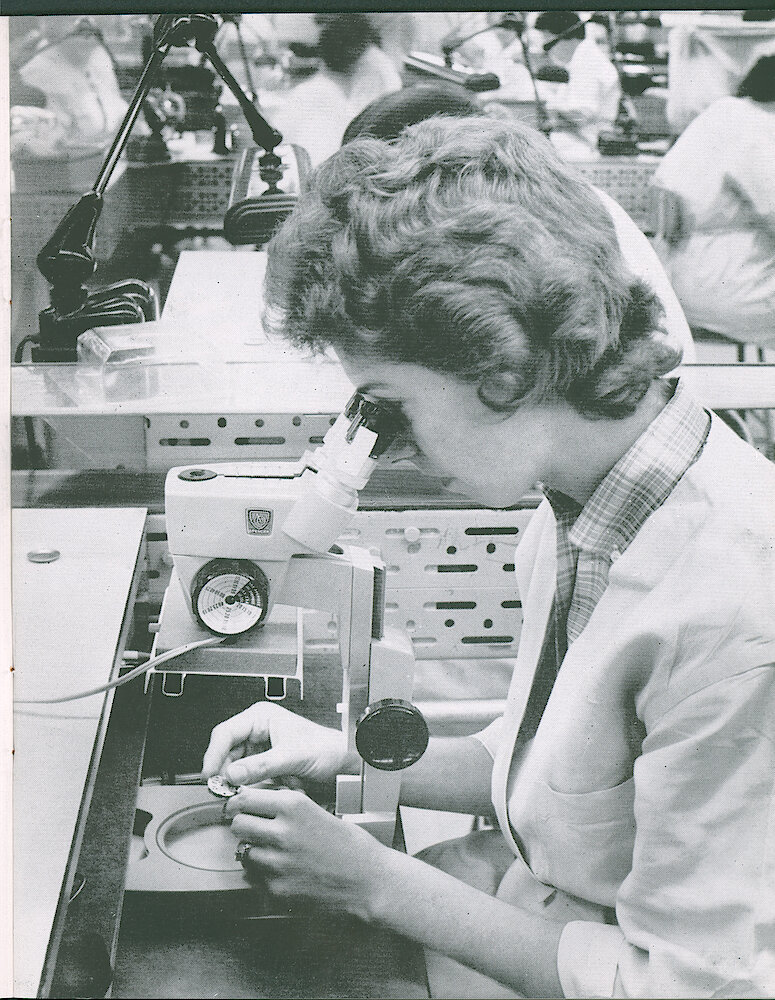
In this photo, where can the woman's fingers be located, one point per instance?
(252, 725)
(266, 803)
(277, 762)
(254, 829)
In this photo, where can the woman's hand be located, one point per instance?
(300, 850)
(267, 741)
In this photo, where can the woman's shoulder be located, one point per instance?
(730, 114)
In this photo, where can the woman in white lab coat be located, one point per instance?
(474, 286)
(354, 72)
(588, 101)
(718, 241)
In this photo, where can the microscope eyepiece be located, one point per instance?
(383, 419)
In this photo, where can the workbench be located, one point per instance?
(215, 295)
(78, 766)
(71, 621)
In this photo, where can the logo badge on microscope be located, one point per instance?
(259, 522)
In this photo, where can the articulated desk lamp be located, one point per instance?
(622, 138)
(444, 69)
(426, 64)
(67, 260)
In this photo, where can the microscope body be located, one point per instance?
(253, 544)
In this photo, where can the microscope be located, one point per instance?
(252, 545)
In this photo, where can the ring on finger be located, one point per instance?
(243, 850)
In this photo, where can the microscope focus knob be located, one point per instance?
(230, 596)
(391, 734)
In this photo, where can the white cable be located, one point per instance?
(125, 678)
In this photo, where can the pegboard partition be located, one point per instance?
(182, 193)
(450, 578)
(627, 179)
(172, 440)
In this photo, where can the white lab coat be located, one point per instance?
(315, 113)
(643, 261)
(432, 28)
(650, 783)
(81, 89)
(723, 171)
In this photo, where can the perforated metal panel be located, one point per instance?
(191, 193)
(201, 190)
(627, 179)
(177, 440)
(450, 578)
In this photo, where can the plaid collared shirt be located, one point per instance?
(589, 539)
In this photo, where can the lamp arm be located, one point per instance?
(67, 259)
(450, 45)
(517, 25)
(146, 81)
(264, 135)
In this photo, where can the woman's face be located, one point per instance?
(492, 458)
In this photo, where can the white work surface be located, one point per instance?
(219, 292)
(68, 618)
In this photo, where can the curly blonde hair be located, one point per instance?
(468, 247)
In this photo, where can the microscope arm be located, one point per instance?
(379, 721)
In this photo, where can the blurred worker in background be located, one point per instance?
(68, 61)
(718, 231)
(273, 31)
(480, 43)
(355, 71)
(472, 285)
(388, 116)
(588, 102)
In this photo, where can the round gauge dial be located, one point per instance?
(230, 596)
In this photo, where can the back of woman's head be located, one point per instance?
(560, 22)
(389, 115)
(343, 39)
(468, 247)
(759, 82)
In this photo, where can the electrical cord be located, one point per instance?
(125, 678)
